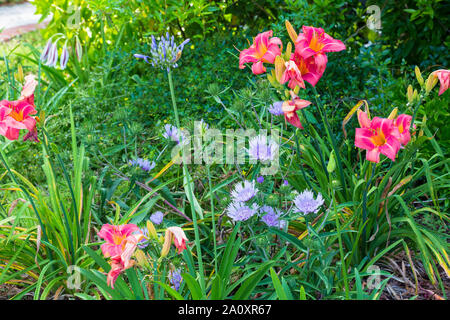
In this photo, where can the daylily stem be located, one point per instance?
(331, 137)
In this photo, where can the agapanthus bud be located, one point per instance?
(78, 49)
(64, 57)
(45, 53)
(52, 56)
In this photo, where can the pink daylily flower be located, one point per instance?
(315, 42)
(299, 70)
(444, 78)
(379, 137)
(290, 108)
(18, 117)
(263, 50)
(116, 238)
(403, 123)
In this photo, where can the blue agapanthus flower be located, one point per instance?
(164, 53)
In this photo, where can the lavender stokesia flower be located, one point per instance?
(157, 217)
(276, 109)
(272, 217)
(143, 164)
(164, 53)
(263, 149)
(239, 211)
(305, 202)
(244, 191)
(171, 132)
(175, 279)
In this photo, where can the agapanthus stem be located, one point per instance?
(188, 184)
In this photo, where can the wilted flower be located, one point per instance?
(157, 217)
(263, 149)
(239, 211)
(179, 240)
(244, 191)
(164, 53)
(290, 108)
(305, 202)
(175, 279)
(276, 109)
(143, 164)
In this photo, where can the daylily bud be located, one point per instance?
(409, 94)
(291, 31)
(393, 114)
(19, 76)
(271, 77)
(415, 96)
(287, 54)
(430, 83)
(418, 75)
(151, 230)
(279, 67)
(141, 258)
